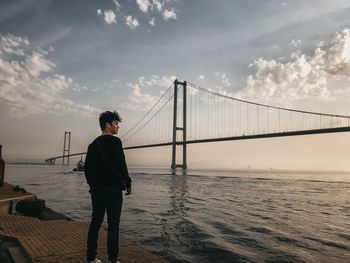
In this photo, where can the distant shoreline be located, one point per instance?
(244, 170)
(25, 163)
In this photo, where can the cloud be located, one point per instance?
(13, 45)
(201, 77)
(338, 55)
(295, 43)
(158, 5)
(152, 21)
(28, 84)
(224, 79)
(162, 82)
(131, 22)
(117, 4)
(108, 15)
(144, 5)
(169, 14)
(302, 76)
(140, 99)
(320, 44)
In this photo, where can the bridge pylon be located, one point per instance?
(66, 147)
(183, 128)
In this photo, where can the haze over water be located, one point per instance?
(216, 216)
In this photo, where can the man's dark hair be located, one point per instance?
(108, 117)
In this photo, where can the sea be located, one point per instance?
(209, 216)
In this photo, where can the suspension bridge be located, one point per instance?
(188, 114)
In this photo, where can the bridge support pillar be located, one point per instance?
(183, 128)
(66, 147)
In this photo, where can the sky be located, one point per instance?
(64, 62)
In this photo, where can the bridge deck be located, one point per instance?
(62, 240)
(231, 138)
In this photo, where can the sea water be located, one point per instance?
(215, 216)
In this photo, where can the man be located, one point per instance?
(107, 174)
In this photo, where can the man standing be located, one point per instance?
(107, 175)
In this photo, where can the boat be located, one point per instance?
(79, 169)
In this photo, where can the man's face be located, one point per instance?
(113, 127)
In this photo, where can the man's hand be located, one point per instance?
(128, 191)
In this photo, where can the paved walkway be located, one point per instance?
(63, 240)
(7, 194)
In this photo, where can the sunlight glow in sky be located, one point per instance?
(62, 64)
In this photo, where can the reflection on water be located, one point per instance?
(215, 216)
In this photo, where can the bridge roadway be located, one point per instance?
(233, 138)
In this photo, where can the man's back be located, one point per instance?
(105, 162)
(106, 173)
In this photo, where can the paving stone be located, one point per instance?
(62, 240)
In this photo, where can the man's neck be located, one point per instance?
(106, 132)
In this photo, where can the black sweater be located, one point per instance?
(98, 170)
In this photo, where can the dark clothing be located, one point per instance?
(106, 167)
(110, 199)
(105, 171)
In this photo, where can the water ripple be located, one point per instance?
(216, 216)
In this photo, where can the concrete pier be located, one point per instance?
(55, 240)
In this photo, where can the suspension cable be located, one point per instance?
(80, 146)
(144, 116)
(265, 105)
(149, 119)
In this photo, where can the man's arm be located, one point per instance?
(89, 168)
(124, 168)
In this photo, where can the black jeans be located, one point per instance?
(110, 199)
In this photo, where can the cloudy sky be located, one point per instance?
(63, 62)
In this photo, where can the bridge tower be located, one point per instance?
(66, 147)
(176, 128)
